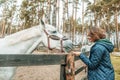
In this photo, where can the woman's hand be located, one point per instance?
(76, 53)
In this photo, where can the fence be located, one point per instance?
(67, 70)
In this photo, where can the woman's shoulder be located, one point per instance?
(98, 46)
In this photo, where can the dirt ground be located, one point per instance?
(49, 72)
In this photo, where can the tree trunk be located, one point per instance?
(116, 24)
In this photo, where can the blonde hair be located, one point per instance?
(96, 33)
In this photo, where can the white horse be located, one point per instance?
(25, 41)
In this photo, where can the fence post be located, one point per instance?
(70, 67)
(62, 72)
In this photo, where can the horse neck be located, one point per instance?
(20, 42)
(24, 35)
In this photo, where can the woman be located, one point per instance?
(99, 62)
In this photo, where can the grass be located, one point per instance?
(116, 64)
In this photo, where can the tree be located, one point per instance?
(105, 10)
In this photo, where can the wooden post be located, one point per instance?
(62, 72)
(70, 67)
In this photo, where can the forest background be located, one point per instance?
(70, 17)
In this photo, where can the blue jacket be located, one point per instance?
(99, 62)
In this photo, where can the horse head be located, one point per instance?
(52, 38)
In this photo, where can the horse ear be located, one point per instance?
(42, 22)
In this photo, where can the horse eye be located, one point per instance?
(54, 31)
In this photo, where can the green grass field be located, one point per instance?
(116, 64)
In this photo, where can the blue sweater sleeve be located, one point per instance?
(95, 57)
